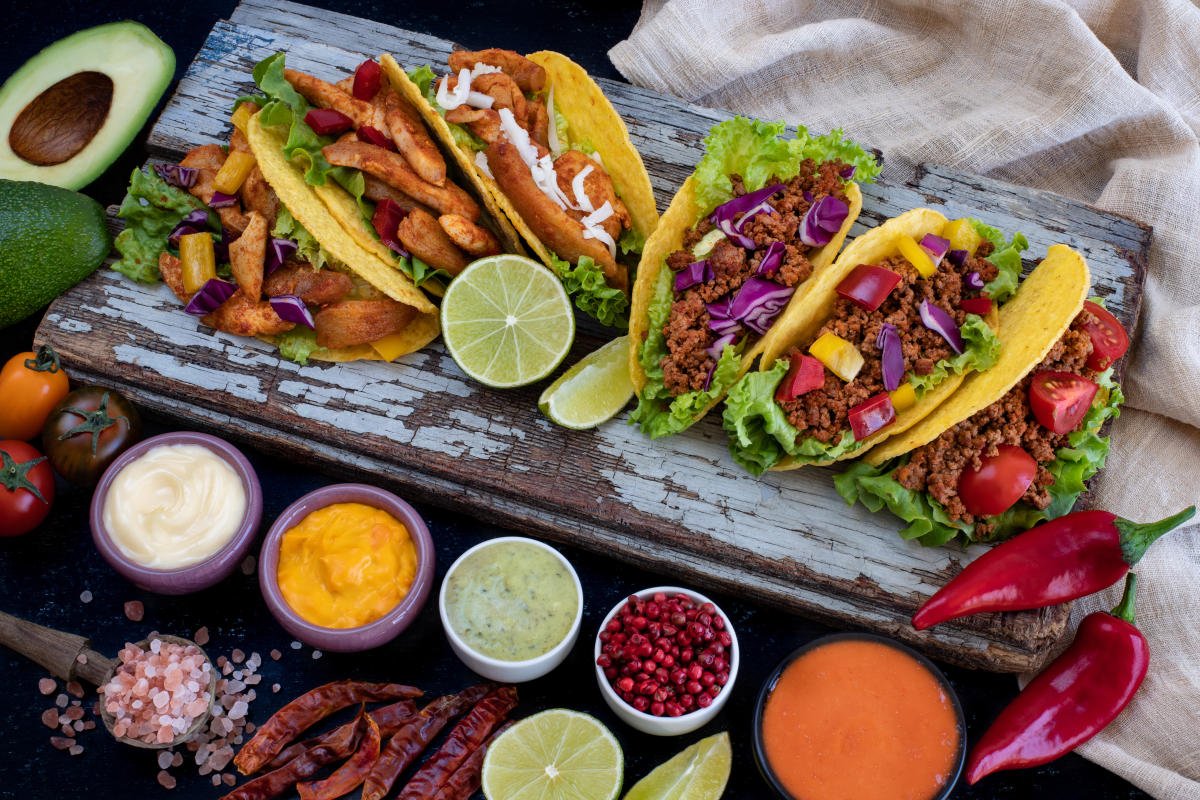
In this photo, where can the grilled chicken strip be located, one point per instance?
(172, 275)
(350, 322)
(421, 234)
(314, 287)
(474, 240)
(326, 95)
(207, 160)
(244, 317)
(378, 190)
(598, 187)
(247, 256)
(392, 169)
(412, 140)
(529, 76)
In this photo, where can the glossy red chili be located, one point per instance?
(805, 374)
(1074, 698)
(868, 285)
(871, 415)
(1060, 560)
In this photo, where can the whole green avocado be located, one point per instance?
(50, 239)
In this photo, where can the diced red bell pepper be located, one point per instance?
(977, 305)
(386, 220)
(326, 121)
(367, 80)
(868, 285)
(371, 136)
(805, 374)
(872, 415)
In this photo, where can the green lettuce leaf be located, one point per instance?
(151, 209)
(308, 248)
(297, 344)
(425, 80)
(585, 283)
(631, 242)
(981, 348)
(1007, 258)
(420, 272)
(755, 150)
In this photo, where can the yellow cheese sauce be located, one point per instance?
(511, 601)
(346, 565)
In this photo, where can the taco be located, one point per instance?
(734, 257)
(889, 332)
(1015, 444)
(546, 150)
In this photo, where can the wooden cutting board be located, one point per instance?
(419, 426)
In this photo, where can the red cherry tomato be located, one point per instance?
(367, 80)
(26, 488)
(1060, 400)
(868, 285)
(1109, 340)
(998, 483)
(805, 374)
(976, 305)
(871, 415)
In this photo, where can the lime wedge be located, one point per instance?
(698, 773)
(555, 755)
(593, 390)
(507, 321)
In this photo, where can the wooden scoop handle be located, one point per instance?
(57, 651)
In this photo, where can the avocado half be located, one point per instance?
(71, 110)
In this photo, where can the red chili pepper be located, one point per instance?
(1060, 560)
(868, 285)
(307, 764)
(804, 375)
(350, 774)
(1074, 698)
(871, 415)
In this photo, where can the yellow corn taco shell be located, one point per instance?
(1031, 322)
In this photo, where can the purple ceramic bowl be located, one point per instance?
(198, 576)
(373, 634)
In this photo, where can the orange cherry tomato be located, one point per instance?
(31, 384)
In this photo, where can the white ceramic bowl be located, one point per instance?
(668, 726)
(512, 671)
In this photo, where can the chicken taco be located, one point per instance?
(890, 331)
(1015, 444)
(734, 257)
(547, 151)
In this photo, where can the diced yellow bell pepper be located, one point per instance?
(233, 172)
(904, 396)
(199, 261)
(916, 256)
(962, 236)
(392, 346)
(243, 113)
(838, 355)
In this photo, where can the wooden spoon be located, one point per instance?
(59, 653)
(60, 121)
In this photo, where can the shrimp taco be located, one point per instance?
(547, 151)
(734, 258)
(890, 331)
(1016, 443)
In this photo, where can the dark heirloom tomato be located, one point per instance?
(1109, 340)
(1060, 400)
(868, 285)
(805, 374)
(871, 415)
(26, 488)
(87, 430)
(998, 483)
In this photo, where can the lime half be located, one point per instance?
(698, 773)
(507, 321)
(593, 390)
(555, 755)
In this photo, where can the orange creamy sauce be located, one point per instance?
(861, 720)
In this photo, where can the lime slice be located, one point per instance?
(698, 773)
(507, 321)
(593, 390)
(555, 755)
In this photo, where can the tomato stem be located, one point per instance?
(14, 474)
(94, 422)
(46, 360)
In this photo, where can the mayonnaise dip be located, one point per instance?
(174, 506)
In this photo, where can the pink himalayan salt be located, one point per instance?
(157, 675)
(47, 686)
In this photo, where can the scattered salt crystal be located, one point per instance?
(74, 689)
(239, 710)
(237, 674)
(156, 646)
(275, 688)
(88, 725)
(73, 713)
(50, 718)
(166, 780)
(235, 686)
(81, 658)
(77, 725)
(201, 636)
(204, 769)
(76, 749)
(161, 699)
(276, 655)
(248, 565)
(137, 704)
(216, 780)
(237, 739)
(249, 727)
(61, 700)
(238, 656)
(177, 759)
(61, 742)
(252, 680)
(135, 610)
(229, 778)
(296, 645)
(227, 669)
(47, 686)
(66, 729)
(164, 759)
(317, 654)
(85, 596)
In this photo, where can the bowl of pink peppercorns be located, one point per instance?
(666, 660)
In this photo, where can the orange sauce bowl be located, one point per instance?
(862, 716)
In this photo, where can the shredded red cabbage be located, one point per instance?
(771, 260)
(848, 172)
(292, 309)
(941, 323)
(183, 177)
(718, 346)
(888, 342)
(386, 220)
(209, 298)
(708, 378)
(278, 252)
(759, 302)
(936, 246)
(822, 220)
(807, 195)
(957, 257)
(692, 274)
(221, 200)
(195, 222)
(747, 205)
(720, 317)
(974, 280)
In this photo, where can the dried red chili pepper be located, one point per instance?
(466, 779)
(348, 775)
(1074, 698)
(389, 718)
(304, 766)
(413, 738)
(466, 737)
(309, 709)
(1064, 559)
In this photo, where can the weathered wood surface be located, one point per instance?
(679, 505)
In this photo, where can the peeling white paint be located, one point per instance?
(241, 386)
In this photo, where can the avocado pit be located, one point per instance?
(60, 121)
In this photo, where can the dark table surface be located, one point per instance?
(43, 574)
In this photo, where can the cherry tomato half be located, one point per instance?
(87, 430)
(873, 414)
(805, 374)
(998, 483)
(1060, 400)
(26, 488)
(30, 386)
(1109, 340)
(868, 285)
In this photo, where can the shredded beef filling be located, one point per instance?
(936, 467)
(686, 365)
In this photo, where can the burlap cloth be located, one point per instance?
(1100, 102)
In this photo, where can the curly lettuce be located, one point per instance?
(981, 348)
(1081, 458)
(151, 209)
(297, 344)
(586, 285)
(425, 79)
(1007, 258)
